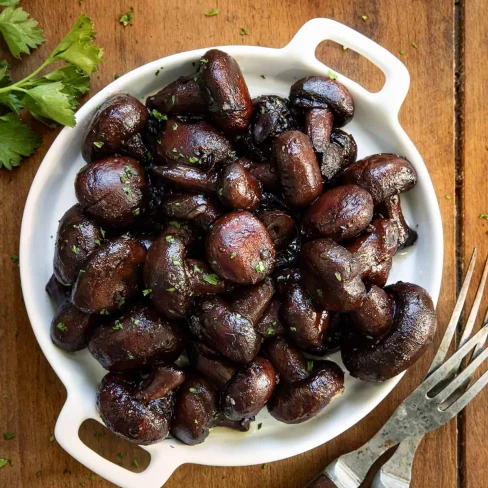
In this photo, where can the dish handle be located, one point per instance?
(160, 468)
(312, 33)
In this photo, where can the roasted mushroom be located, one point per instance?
(199, 209)
(411, 331)
(288, 361)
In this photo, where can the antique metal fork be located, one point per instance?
(442, 395)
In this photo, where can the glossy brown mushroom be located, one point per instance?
(249, 390)
(138, 338)
(196, 208)
(391, 209)
(182, 96)
(280, 226)
(132, 419)
(288, 361)
(71, 328)
(161, 380)
(411, 331)
(340, 213)
(188, 178)
(192, 143)
(348, 145)
(331, 275)
(111, 274)
(240, 249)
(58, 293)
(298, 169)
(297, 402)
(318, 126)
(229, 327)
(375, 315)
(115, 129)
(225, 91)
(195, 410)
(112, 191)
(172, 279)
(77, 237)
(383, 175)
(270, 324)
(238, 188)
(322, 92)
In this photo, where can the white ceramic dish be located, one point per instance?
(376, 129)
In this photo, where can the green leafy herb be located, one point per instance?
(484, 216)
(204, 60)
(212, 12)
(97, 435)
(98, 144)
(124, 179)
(14, 258)
(97, 242)
(414, 45)
(52, 439)
(320, 293)
(120, 302)
(61, 327)
(170, 238)
(3, 462)
(175, 261)
(104, 311)
(309, 365)
(130, 171)
(82, 484)
(175, 126)
(332, 75)
(364, 17)
(193, 160)
(173, 98)
(8, 435)
(264, 465)
(118, 325)
(21, 33)
(338, 276)
(193, 390)
(195, 420)
(293, 329)
(16, 140)
(50, 98)
(263, 77)
(344, 48)
(171, 290)
(270, 331)
(448, 197)
(158, 115)
(402, 52)
(127, 18)
(213, 279)
(135, 462)
(260, 267)
(91, 477)
(147, 292)
(39, 473)
(259, 426)
(120, 455)
(244, 32)
(102, 232)
(221, 190)
(156, 73)
(136, 212)
(127, 190)
(233, 255)
(175, 224)
(196, 269)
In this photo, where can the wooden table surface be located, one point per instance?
(444, 114)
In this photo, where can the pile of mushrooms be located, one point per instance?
(221, 245)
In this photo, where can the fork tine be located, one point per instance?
(456, 313)
(468, 328)
(454, 360)
(459, 404)
(462, 377)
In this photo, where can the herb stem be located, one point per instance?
(19, 83)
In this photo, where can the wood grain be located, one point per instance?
(33, 394)
(474, 153)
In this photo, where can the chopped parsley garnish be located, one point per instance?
(293, 329)
(175, 126)
(75, 250)
(136, 212)
(260, 267)
(259, 426)
(175, 224)
(319, 293)
(173, 98)
(52, 439)
(484, 216)
(338, 276)
(8, 435)
(156, 73)
(127, 18)
(264, 465)
(233, 255)
(196, 269)
(193, 160)
(402, 52)
(104, 311)
(193, 390)
(244, 32)
(171, 290)
(309, 365)
(127, 190)
(332, 75)
(14, 258)
(135, 462)
(61, 327)
(147, 292)
(157, 114)
(118, 325)
(170, 238)
(212, 279)
(123, 179)
(102, 232)
(204, 61)
(39, 473)
(3, 462)
(263, 77)
(270, 331)
(414, 45)
(97, 435)
(175, 261)
(130, 171)
(120, 302)
(98, 144)
(212, 12)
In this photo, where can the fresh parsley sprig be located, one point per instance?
(51, 97)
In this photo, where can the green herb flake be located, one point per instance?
(147, 292)
(3, 462)
(175, 261)
(97, 242)
(193, 390)
(364, 17)
(221, 190)
(156, 73)
(414, 45)
(293, 329)
(212, 12)
(263, 110)
(332, 75)
(448, 197)
(104, 311)
(175, 126)
(193, 160)
(14, 258)
(263, 77)
(344, 48)
(9, 435)
(260, 267)
(260, 425)
(136, 212)
(212, 279)
(75, 249)
(484, 216)
(98, 144)
(61, 327)
(175, 224)
(170, 238)
(127, 190)
(338, 276)
(319, 293)
(102, 232)
(402, 53)
(39, 473)
(204, 60)
(91, 477)
(120, 455)
(309, 365)
(116, 76)
(195, 420)
(52, 439)
(157, 114)
(173, 98)
(97, 435)
(264, 465)
(82, 484)
(270, 331)
(135, 462)
(171, 290)
(120, 302)
(233, 255)
(196, 269)
(130, 171)
(127, 18)
(244, 32)
(118, 325)
(123, 179)
(135, 321)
